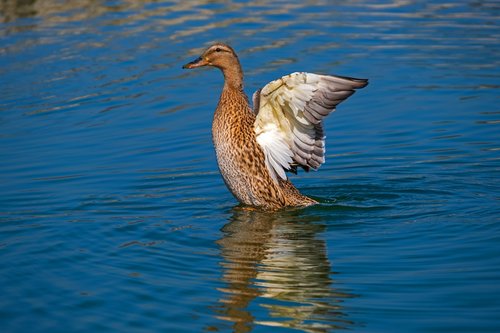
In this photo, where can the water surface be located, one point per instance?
(113, 216)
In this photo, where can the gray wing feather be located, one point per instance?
(331, 92)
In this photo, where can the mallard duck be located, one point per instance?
(284, 130)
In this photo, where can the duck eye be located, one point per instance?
(218, 49)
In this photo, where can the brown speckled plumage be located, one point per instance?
(241, 159)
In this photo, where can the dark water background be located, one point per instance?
(113, 217)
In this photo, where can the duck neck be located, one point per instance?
(233, 77)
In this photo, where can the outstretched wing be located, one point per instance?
(290, 112)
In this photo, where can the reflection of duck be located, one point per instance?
(276, 261)
(284, 131)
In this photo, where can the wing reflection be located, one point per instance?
(277, 274)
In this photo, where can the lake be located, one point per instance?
(114, 217)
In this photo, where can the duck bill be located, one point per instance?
(196, 63)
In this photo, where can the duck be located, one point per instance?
(256, 146)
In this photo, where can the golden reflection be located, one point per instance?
(274, 263)
(174, 13)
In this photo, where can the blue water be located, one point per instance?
(114, 218)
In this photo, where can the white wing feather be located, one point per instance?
(290, 111)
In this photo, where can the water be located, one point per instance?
(113, 217)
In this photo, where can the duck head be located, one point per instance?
(218, 55)
(222, 56)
